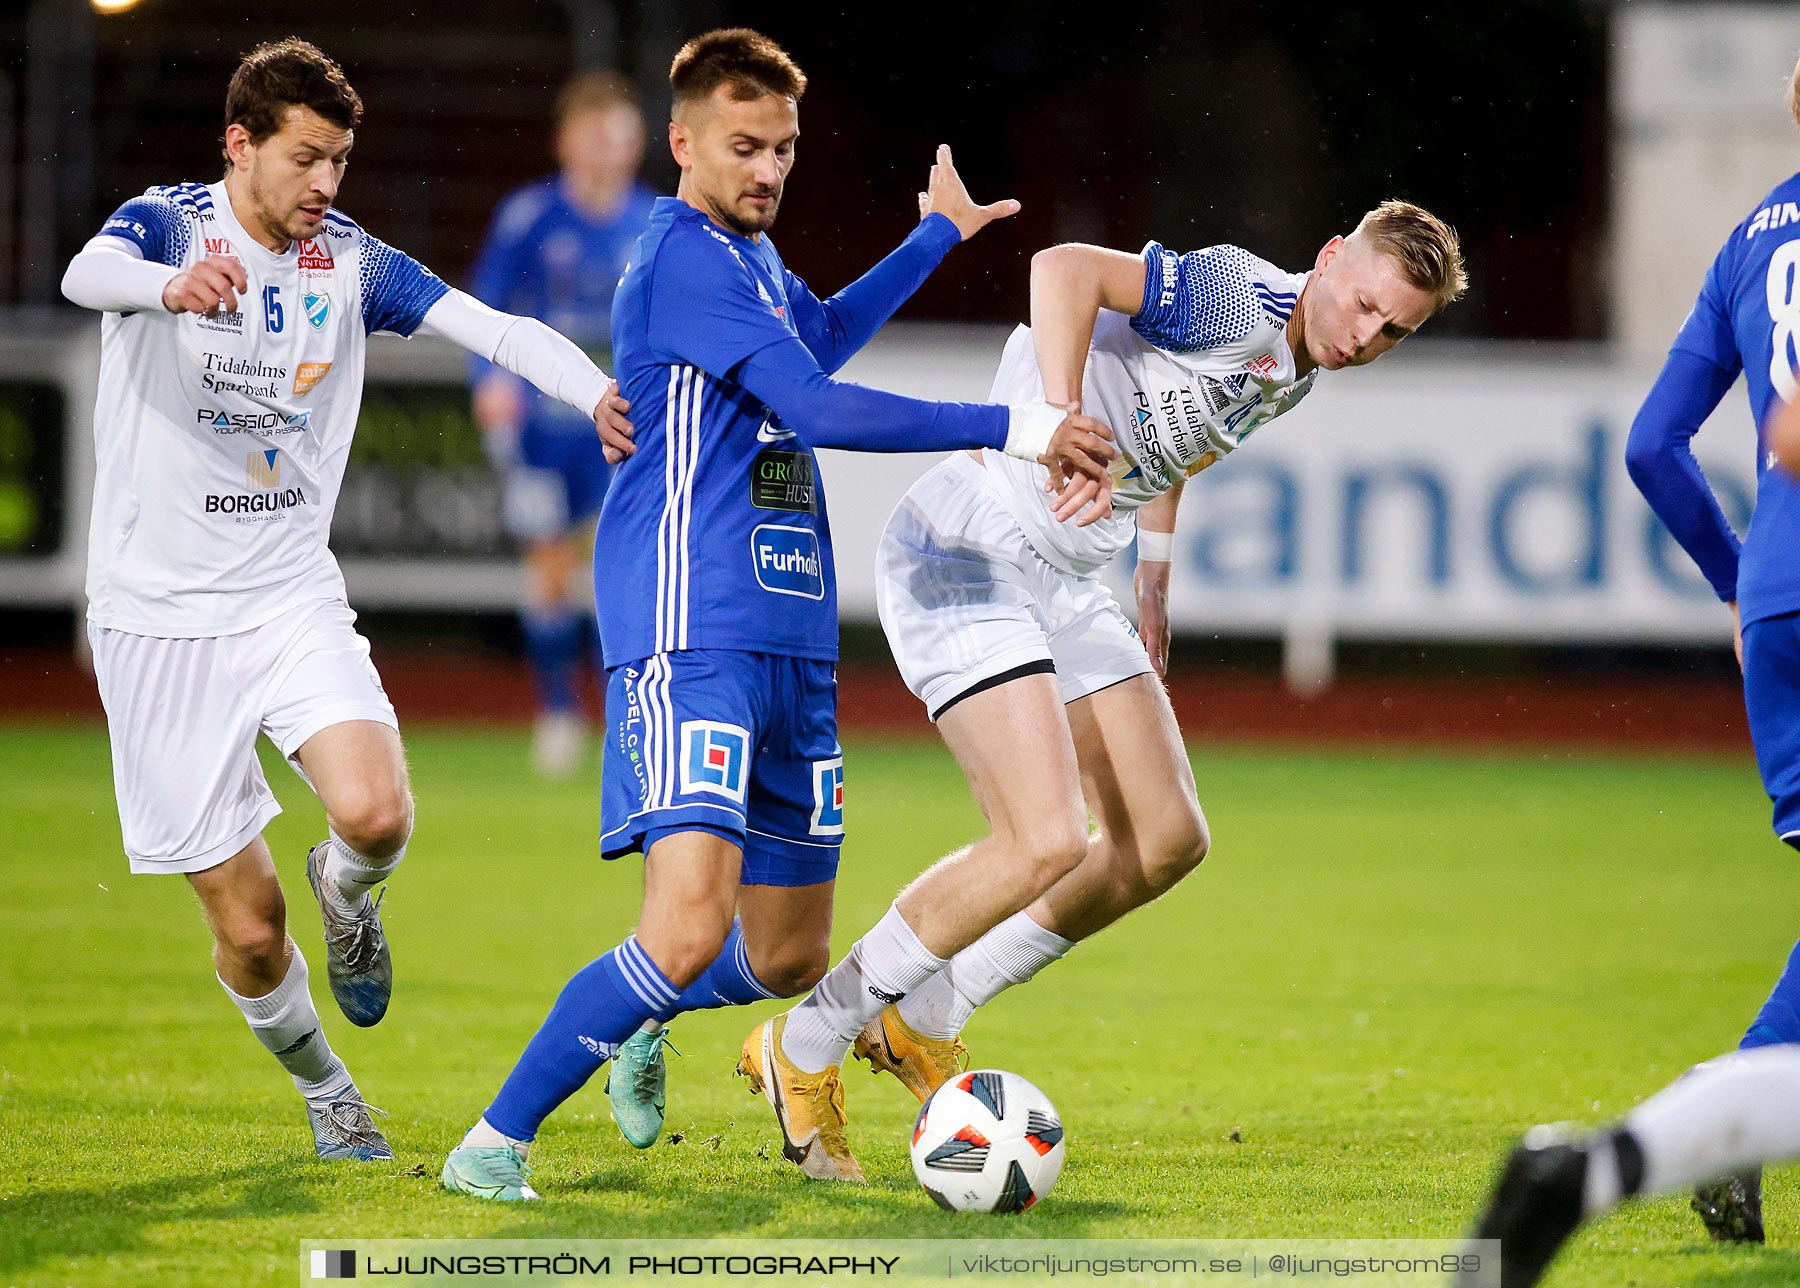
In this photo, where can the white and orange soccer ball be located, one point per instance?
(987, 1141)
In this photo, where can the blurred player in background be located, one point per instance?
(1784, 437)
(1711, 1130)
(1001, 625)
(231, 373)
(717, 596)
(555, 252)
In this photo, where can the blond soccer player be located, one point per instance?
(1049, 698)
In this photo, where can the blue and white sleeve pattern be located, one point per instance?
(397, 290)
(156, 223)
(1204, 299)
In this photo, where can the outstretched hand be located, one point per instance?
(945, 195)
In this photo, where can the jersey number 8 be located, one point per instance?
(1784, 312)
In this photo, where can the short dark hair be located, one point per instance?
(594, 92)
(288, 73)
(747, 62)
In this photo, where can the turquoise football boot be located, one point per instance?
(488, 1173)
(637, 1083)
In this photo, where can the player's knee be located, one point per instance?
(1052, 848)
(790, 979)
(375, 823)
(684, 955)
(253, 939)
(797, 971)
(1176, 851)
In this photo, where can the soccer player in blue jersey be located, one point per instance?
(1714, 1128)
(717, 597)
(556, 251)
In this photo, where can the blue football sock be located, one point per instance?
(599, 1008)
(555, 639)
(729, 981)
(1779, 1019)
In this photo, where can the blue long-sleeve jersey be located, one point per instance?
(1745, 320)
(714, 534)
(548, 258)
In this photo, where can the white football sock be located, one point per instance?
(351, 876)
(1729, 1114)
(1009, 954)
(1601, 1184)
(885, 965)
(285, 1022)
(483, 1136)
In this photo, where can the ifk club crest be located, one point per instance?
(318, 308)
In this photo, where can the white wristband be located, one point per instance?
(1030, 426)
(1155, 547)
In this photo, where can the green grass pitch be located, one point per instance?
(1391, 964)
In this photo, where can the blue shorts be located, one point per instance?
(742, 744)
(558, 481)
(1772, 701)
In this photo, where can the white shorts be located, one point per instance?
(183, 715)
(964, 598)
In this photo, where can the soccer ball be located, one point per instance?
(987, 1141)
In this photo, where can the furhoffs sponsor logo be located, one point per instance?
(787, 560)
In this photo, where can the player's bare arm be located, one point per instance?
(211, 286)
(946, 195)
(1150, 583)
(1069, 286)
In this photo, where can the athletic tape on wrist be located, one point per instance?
(1155, 547)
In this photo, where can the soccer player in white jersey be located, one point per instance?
(231, 372)
(1001, 626)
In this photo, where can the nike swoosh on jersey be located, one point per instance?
(767, 433)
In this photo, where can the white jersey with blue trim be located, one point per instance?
(221, 439)
(1201, 366)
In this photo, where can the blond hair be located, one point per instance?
(1794, 94)
(594, 92)
(1427, 249)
